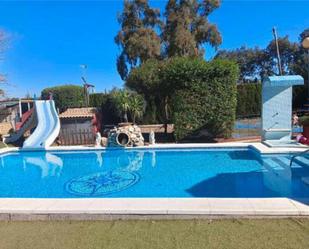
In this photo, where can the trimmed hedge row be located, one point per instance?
(193, 93)
(98, 99)
(205, 97)
(65, 96)
(249, 97)
(106, 104)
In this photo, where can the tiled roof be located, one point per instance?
(78, 112)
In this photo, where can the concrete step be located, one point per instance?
(302, 160)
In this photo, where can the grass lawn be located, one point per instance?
(165, 234)
(2, 145)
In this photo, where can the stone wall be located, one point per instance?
(125, 136)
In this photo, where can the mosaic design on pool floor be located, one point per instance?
(102, 183)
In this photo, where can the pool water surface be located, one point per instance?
(152, 173)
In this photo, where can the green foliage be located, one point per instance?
(249, 97)
(288, 52)
(187, 27)
(137, 38)
(255, 63)
(121, 100)
(127, 104)
(304, 34)
(136, 107)
(191, 93)
(65, 96)
(304, 120)
(110, 114)
(183, 31)
(205, 96)
(249, 61)
(145, 80)
(98, 99)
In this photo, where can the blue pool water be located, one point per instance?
(152, 173)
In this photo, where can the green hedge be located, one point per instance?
(98, 99)
(66, 96)
(106, 104)
(249, 97)
(205, 95)
(145, 80)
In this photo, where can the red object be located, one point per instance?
(303, 140)
(24, 119)
(306, 131)
(96, 123)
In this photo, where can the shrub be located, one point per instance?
(145, 81)
(65, 96)
(299, 96)
(304, 120)
(98, 99)
(205, 95)
(249, 97)
(128, 104)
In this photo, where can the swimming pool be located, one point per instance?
(237, 173)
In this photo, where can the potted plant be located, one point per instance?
(304, 121)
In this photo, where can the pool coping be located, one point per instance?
(87, 207)
(257, 146)
(101, 208)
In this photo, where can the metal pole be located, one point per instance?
(308, 78)
(20, 109)
(278, 52)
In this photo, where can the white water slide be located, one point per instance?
(48, 125)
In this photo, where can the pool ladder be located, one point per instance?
(299, 154)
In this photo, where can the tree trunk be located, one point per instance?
(125, 117)
(166, 114)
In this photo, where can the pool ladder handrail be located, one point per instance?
(299, 154)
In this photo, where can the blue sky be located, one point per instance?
(50, 39)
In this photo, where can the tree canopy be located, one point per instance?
(255, 63)
(304, 34)
(65, 96)
(182, 31)
(187, 27)
(138, 37)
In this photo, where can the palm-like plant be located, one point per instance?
(122, 101)
(137, 106)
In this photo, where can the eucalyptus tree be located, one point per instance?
(248, 60)
(256, 63)
(288, 53)
(138, 38)
(187, 28)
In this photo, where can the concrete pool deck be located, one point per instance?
(26, 208)
(100, 208)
